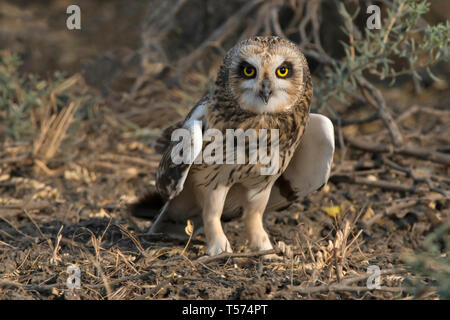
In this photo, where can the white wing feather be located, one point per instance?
(310, 166)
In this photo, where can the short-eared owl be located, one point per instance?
(263, 84)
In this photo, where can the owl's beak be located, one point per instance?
(265, 91)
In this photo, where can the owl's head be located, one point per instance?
(265, 74)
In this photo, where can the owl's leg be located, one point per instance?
(254, 206)
(213, 203)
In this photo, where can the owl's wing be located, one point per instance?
(162, 143)
(309, 168)
(177, 159)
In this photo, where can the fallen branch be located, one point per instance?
(345, 284)
(349, 122)
(390, 210)
(26, 205)
(412, 151)
(410, 173)
(375, 98)
(226, 255)
(176, 262)
(218, 36)
(383, 184)
(337, 287)
(29, 287)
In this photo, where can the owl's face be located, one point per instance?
(266, 74)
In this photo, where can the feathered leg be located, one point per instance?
(254, 206)
(213, 203)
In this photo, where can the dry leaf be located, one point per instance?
(55, 292)
(101, 214)
(369, 214)
(332, 211)
(189, 229)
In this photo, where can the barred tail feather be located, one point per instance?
(148, 207)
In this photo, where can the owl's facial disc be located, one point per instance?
(266, 82)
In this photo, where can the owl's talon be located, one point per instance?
(272, 257)
(259, 241)
(217, 246)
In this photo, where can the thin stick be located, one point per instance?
(344, 285)
(383, 184)
(375, 98)
(412, 151)
(226, 255)
(160, 215)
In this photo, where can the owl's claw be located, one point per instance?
(259, 239)
(218, 245)
(272, 257)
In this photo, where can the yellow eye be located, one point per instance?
(282, 72)
(249, 71)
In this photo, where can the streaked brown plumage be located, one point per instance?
(264, 100)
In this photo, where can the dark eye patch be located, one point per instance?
(244, 65)
(289, 66)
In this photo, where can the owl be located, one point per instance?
(263, 88)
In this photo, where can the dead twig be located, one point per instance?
(375, 98)
(43, 236)
(53, 132)
(345, 284)
(388, 211)
(410, 173)
(27, 205)
(383, 184)
(349, 122)
(39, 288)
(412, 151)
(55, 258)
(218, 36)
(226, 255)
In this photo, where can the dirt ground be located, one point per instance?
(71, 209)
